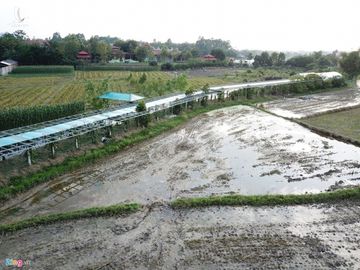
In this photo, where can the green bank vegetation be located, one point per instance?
(225, 200)
(268, 200)
(113, 210)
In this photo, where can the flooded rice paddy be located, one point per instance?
(299, 107)
(234, 150)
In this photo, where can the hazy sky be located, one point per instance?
(247, 24)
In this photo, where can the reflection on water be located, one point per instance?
(284, 159)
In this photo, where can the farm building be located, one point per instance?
(7, 66)
(209, 58)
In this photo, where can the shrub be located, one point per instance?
(221, 97)
(145, 119)
(338, 82)
(189, 91)
(167, 66)
(142, 78)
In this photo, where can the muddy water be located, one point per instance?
(299, 237)
(313, 104)
(234, 150)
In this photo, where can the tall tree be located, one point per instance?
(274, 58)
(350, 63)
(141, 53)
(104, 50)
(281, 59)
(262, 60)
(218, 53)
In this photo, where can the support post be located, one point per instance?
(52, 150)
(28, 153)
(93, 136)
(76, 143)
(109, 132)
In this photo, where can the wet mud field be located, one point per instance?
(234, 150)
(299, 237)
(304, 106)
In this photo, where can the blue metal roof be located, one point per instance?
(120, 96)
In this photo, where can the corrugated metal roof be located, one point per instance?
(9, 62)
(121, 96)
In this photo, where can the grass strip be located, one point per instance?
(268, 200)
(24, 183)
(113, 210)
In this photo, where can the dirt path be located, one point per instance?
(238, 149)
(301, 237)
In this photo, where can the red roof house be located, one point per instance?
(209, 57)
(83, 55)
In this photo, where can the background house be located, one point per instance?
(209, 58)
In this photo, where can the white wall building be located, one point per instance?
(7, 66)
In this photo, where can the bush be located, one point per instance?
(142, 78)
(338, 82)
(144, 120)
(167, 66)
(221, 97)
(153, 63)
(189, 91)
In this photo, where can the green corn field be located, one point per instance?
(17, 116)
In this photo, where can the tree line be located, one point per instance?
(313, 61)
(59, 50)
